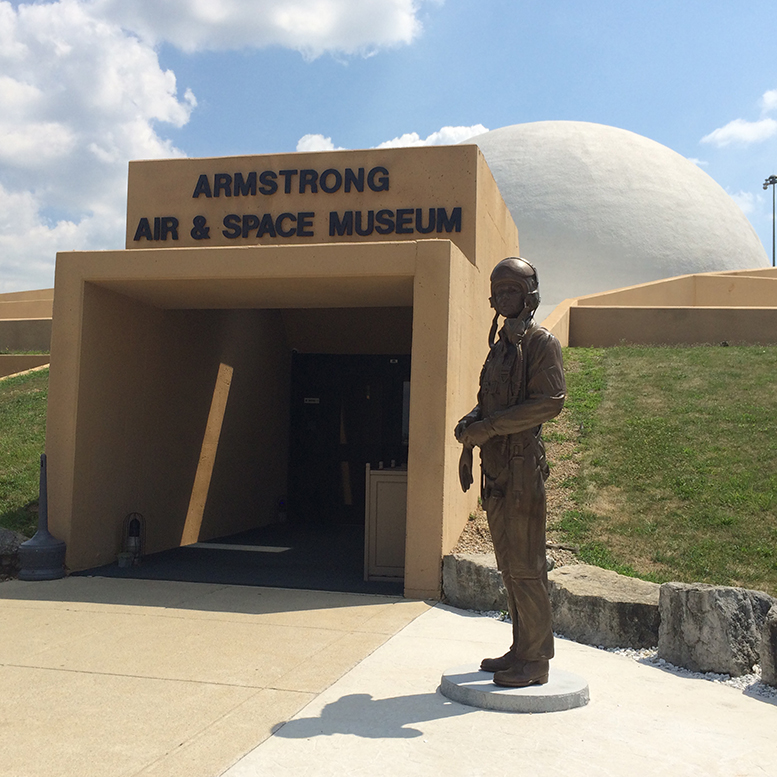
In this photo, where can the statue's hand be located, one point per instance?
(465, 468)
(460, 427)
(475, 434)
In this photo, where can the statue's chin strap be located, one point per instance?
(518, 328)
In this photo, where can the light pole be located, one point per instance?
(772, 181)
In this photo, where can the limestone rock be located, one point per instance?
(709, 628)
(600, 607)
(471, 581)
(769, 648)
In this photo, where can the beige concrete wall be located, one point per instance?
(678, 291)
(145, 388)
(427, 177)
(557, 323)
(32, 294)
(161, 353)
(602, 327)
(723, 291)
(10, 364)
(759, 272)
(25, 334)
(450, 329)
(26, 308)
(137, 347)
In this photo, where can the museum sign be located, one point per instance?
(375, 195)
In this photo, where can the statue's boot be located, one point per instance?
(523, 673)
(508, 659)
(498, 664)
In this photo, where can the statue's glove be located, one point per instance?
(476, 433)
(465, 468)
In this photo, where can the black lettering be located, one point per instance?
(404, 221)
(199, 230)
(357, 180)
(338, 227)
(143, 230)
(222, 182)
(305, 224)
(382, 184)
(269, 184)
(287, 175)
(338, 181)
(308, 178)
(419, 221)
(157, 228)
(169, 226)
(386, 219)
(250, 221)
(452, 224)
(232, 224)
(202, 187)
(267, 227)
(370, 223)
(245, 187)
(279, 225)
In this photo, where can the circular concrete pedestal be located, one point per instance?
(468, 685)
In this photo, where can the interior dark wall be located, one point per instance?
(349, 330)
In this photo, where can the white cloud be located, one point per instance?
(697, 162)
(445, 136)
(82, 92)
(79, 98)
(312, 27)
(316, 143)
(769, 101)
(742, 131)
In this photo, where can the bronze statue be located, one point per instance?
(521, 386)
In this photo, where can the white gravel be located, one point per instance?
(749, 684)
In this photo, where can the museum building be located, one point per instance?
(286, 337)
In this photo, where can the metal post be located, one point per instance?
(772, 181)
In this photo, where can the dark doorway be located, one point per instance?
(346, 411)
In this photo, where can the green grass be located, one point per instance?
(678, 476)
(22, 440)
(678, 451)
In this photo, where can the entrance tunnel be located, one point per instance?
(284, 408)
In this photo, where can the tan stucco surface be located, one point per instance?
(411, 180)
(169, 391)
(737, 307)
(138, 342)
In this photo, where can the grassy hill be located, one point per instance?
(22, 440)
(677, 453)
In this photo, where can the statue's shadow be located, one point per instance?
(360, 715)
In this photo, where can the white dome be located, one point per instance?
(598, 208)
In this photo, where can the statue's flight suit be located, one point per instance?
(521, 386)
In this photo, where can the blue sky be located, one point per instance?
(86, 85)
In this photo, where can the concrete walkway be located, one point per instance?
(385, 718)
(106, 678)
(115, 677)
